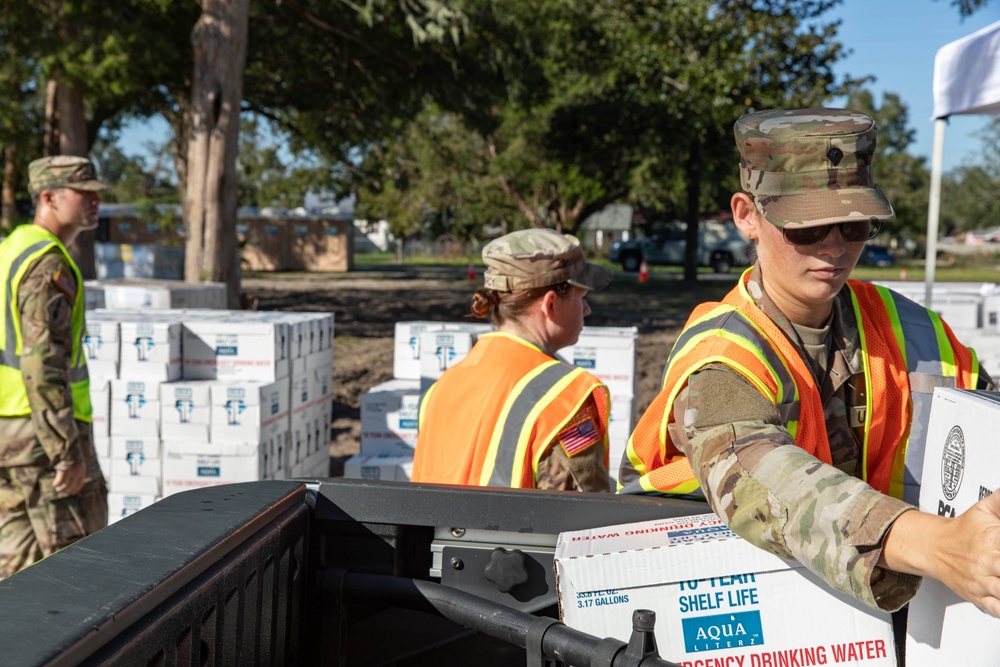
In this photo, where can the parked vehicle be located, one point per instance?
(720, 246)
(876, 255)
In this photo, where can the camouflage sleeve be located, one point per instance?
(577, 461)
(46, 309)
(778, 497)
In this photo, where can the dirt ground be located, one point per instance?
(367, 304)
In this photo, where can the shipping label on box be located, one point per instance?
(961, 466)
(389, 418)
(718, 599)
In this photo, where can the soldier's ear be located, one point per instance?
(745, 214)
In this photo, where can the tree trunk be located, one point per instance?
(66, 134)
(220, 45)
(8, 194)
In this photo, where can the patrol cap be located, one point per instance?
(811, 167)
(63, 171)
(539, 258)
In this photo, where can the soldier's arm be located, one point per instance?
(45, 302)
(780, 498)
(578, 458)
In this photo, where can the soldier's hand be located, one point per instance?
(70, 480)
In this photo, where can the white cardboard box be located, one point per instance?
(961, 466)
(120, 505)
(389, 418)
(608, 353)
(718, 599)
(101, 339)
(151, 349)
(236, 348)
(183, 471)
(406, 346)
(440, 350)
(248, 411)
(102, 372)
(390, 468)
(100, 401)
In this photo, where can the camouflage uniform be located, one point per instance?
(35, 520)
(802, 168)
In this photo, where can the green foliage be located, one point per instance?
(130, 179)
(904, 178)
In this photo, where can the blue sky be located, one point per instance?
(894, 40)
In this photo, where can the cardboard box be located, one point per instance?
(236, 348)
(440, 351)
(101, 338)
(389, 468)
(151, 349)
(100, 401)
(407, 345)
(120, 505)
(718, 599)
(961, 466)
(183, 470)
(609, 354)
(389, 418)
(102, 372)
(248, 411)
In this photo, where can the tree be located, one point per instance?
(220, 46)
(904, 178)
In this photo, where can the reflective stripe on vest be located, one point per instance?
(933, 356)
(27, 243)
(511, 438)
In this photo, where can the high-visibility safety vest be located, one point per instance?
(906, 349)
(18, 252)
(490, 418)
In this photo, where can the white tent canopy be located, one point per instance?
(966, 81)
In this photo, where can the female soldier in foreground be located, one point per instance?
(510, 414)
(790, 402)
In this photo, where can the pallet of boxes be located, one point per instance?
(422, 351)
(188, 398)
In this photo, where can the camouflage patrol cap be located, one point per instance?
(539, 258)
(63, 171)
(811, 167)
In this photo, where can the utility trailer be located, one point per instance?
(339, 572)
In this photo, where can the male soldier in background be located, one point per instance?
(52, 492)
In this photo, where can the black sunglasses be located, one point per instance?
(853, 232)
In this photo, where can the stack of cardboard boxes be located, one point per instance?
(424, 350)
(191, 398)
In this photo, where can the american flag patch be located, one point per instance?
(579, 437)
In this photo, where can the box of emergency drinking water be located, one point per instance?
(135, 407)
(188, 465)
(151, 349)
(230, 347)
(407, 350)
(135, 465)
(961, 466)
(440, 350)
(608, 353)
(382, 467)
(248, 411)
(121, 505)
(185, 410)
(719, 600)
(389, 418)
(100, 341)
